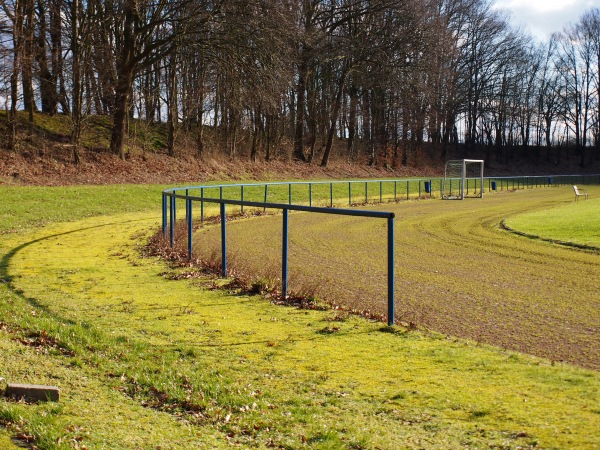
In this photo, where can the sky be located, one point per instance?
(543, 17)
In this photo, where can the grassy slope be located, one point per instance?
(30, 206)
(114, 335)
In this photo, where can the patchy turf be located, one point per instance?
(146, 357)
(457, 271)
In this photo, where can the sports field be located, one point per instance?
(458, 271)
(150, 356)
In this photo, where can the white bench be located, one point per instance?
(579, 193)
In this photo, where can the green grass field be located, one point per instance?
(149, 357)
(575, 223)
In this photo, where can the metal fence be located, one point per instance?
(329, 195)
(170, 205)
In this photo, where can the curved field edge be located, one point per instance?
(575, 245)
(575, 224)
(145, 360)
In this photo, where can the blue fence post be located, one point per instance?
(172, 220)
(349, 193)
(164, 214)
(266, 193)
(381, 192)
(395, 190)
(331, 195)
(189, 226)
(242, 197)
(187, 194)
(390, 268)
(407, 189)
(223, 241)
(202, 206)
(309, 194)
(290, 193)
(366, 192)
(284, 255)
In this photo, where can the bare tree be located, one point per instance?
(15, 13)
(576, 60)
(590, 25)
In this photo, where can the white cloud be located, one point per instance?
(543, 17)
(540, 6)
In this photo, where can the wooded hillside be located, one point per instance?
(394, 82)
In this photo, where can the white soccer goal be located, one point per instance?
(463, 178)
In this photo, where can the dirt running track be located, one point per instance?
(457, 271)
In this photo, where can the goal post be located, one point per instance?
(463, 178)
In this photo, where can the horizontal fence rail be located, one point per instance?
(302, 195)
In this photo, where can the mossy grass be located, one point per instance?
(146, 357)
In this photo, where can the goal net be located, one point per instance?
(463, 178)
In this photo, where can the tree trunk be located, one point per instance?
(17, 42)
(125, 73)
(333, 119)
(172, 104)
(352, 124)
(27, 58)
(56, 55)
(255, 118)
(77, 90)
(121, 106)
(300, 108)
(47, 94)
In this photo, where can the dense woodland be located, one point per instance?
(384, 77)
